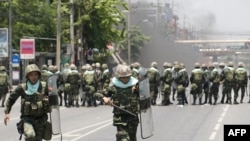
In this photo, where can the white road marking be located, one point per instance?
(212, 136)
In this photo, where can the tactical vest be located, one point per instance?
(73, 78)
(197, 75)
(89, 78)
(240, 74)
(36, 104)
(229, 74)
(125, 99)
(152, 76)
(3, 79)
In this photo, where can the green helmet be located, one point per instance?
(154, 64)
(197, 65)
(45, 67)
(32, 68)
(104, 66)
(97, 65)
(2, 68)
(230, 64)
(137, 65)
(123, 71)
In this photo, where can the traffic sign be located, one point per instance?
(15, 60)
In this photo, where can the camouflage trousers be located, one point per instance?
(37, 129)
(126, 127)
(228, 87)
(3, 92)
(153, 92)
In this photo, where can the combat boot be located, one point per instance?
(200, 103)
(77, 104)
(236, 102)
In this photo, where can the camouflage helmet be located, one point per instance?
(154, 64)
(137, 65)
(181, 66)
(98, 65)
(221, 64)
(45, 67)
(211, 65)
(51, 68)
(240, 64)
(93, 65)
(66, 65)
(123, 71)
(165, 64)
(2, 68)
(230, 64)
(84, 67)
(104, 66)
(73, 67)
(197, 65)
(55, 68)
(32, 68)
(89, 67)
(204, 65)
(176, 66)
(170, 65)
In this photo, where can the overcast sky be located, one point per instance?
(217, 15)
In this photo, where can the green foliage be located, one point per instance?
(137, 42)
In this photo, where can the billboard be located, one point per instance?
(4, 49)
(27, 48)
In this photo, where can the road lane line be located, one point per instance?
(212, 136)
(217, 126)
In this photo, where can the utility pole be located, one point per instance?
(72, 31)
(129, 28)
(10, 41)
(58, 36)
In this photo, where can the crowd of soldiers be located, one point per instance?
(203, 82)
(76, 88)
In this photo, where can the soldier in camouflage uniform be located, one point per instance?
(229, 82)
(34, 106)
(206, 86)
(241, 82)
(65, 73)
(154, 81)
(45, 73)
(4, 84)
(74, 80)
(125, 94)
(135, 70)
(106, 76)
(60, 84)
(197, 79)
(182, 81)
(83, 97)
(221, 72)
(215, 83)
(98, 73)
(166, 79)
(90, 84)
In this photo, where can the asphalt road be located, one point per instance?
(175, 123)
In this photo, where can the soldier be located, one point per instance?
(206, 85)
(215, 80)
(166, 79)
(228, 79)
(106, 76)
(83, 98)
(45, 73)
(90, 84)
(98, 74)
(34, 106)
(74, 80)
(174, 86)
(197, 79)
(241, 82)
(221, 72)
(4, 84)
(183, 82)
(66, 71)
(154, 81)
(135, 69)
(60, 84)
(125, 94)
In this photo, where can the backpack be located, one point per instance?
(229, 74)
(3, 79)
(240, 74)
(151, 76)
(89, 78)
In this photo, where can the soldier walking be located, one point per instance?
(4, 84)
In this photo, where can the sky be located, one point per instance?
(230, 16)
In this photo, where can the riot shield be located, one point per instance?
(146, 118)
(54, 104)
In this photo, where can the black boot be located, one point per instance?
(200, 101)
(194, 102)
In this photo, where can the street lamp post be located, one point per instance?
(10, 42)
(58, 35)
